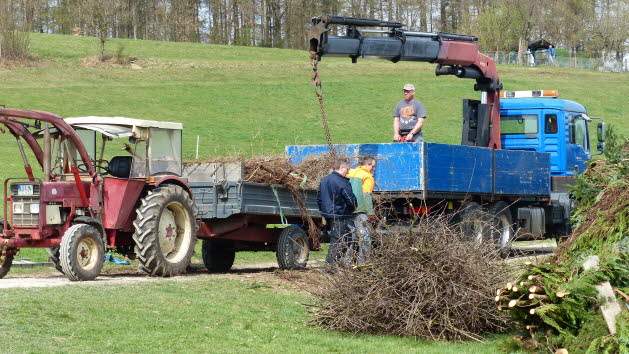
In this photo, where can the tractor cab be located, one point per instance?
(120, 147)
(540, 121)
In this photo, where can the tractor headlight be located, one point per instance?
(34, 208)
(18, 208)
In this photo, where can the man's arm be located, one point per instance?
(396, 129)
(417, 128)
(349, 195)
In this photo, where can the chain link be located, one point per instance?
(316, 82)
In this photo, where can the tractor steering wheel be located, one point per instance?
(102, 165)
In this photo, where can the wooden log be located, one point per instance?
(509, 286)
(562, 293)
(516, 303)
(529, 327)
(515, 289)
(532, 311)
(538, 297)
(536, 289)
(502, 298)
(525, 284)
(533, 277)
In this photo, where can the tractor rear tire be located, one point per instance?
(292, 248)
(217, 256)
(165, 231)
(81, 252)
(502, 229)
(54, 258)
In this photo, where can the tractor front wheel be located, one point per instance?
(165, 231)
(81, 252)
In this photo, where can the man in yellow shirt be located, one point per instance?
(363, 183)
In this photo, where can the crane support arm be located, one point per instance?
(454, 54)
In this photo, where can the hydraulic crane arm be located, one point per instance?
(454, 54)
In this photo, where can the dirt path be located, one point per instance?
(259, 272)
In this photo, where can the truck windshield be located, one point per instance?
(518, 124)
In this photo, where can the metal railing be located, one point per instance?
(542, 58)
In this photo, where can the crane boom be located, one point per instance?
(454, 54)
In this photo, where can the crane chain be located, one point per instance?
(316, 82)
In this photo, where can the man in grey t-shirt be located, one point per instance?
(408, 117)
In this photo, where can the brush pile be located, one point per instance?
(427, 282)
(278, 169)
(557, 301)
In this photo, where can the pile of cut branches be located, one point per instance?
(277, 169)
(428, 282)
(557, 301)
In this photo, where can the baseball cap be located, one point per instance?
(409, 87)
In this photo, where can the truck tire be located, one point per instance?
(217, 256)
(81, 252)
(501, 226)
(471, 221)
(165, 231)
(292, 248)
(54, 258)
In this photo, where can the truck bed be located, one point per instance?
(434, 170)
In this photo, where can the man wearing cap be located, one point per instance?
(408, 117)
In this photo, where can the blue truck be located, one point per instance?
(495, 194)
(519, 152)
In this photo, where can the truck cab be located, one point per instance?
(540, 121)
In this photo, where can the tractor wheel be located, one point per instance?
(6, 261)
(81, 252)
(165, 231)
(472, 222)
(217, 256)
(292, 248)
(55, 258)
(501, 226)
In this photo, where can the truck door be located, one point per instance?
(553, 140)
(578, 150)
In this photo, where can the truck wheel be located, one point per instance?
(217, 257)
(501, 226)
(6, 261)
(54, 258)
(471, 221)
(165, 231)
(292, 248)
(81, 252)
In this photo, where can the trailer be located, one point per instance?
(236, 215)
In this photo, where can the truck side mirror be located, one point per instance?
(600, 132)
(600, 146)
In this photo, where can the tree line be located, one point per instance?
(597, 28)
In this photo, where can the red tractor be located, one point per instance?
(136, 203)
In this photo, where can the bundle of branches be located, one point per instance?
(557, 301)
(427, 282)
(277, 169)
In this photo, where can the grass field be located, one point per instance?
(237, 100)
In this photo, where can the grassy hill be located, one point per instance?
(254, 100)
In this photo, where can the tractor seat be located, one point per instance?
(120, 166)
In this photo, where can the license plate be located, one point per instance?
(25, 189)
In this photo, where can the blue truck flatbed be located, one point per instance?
(441, 170)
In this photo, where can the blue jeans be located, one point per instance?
(340, 236)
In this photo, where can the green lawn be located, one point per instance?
(217, 315)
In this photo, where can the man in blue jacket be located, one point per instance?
(337, 203)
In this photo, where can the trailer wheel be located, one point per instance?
(165, 231)
(55, 258)
(292, 248)
(217, 256)
(81, 252)
(471, 221)
(501, 226)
